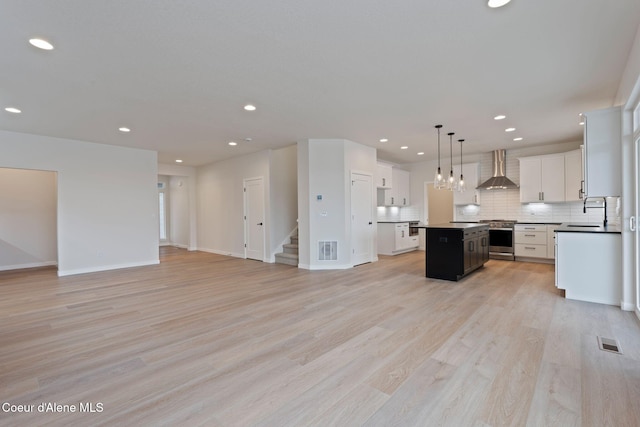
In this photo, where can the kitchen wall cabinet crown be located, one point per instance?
(471, 174)
(602, 155)
(384, 175)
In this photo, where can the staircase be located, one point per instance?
(290, 254)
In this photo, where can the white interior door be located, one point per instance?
(254, 218)
(361, 218)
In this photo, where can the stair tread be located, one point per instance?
(286, 255)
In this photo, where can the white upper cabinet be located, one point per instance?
(384, 176)
(542, 178)
(471, 174)
(398, 195)
(602, 145)
(573, 186)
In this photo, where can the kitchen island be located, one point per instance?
(454, 250)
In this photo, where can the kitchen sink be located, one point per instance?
(583, 225)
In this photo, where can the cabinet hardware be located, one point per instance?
(384, 182)
(392, 200)
(632, 223)
(529, 235)
(530, 248)
(529, 228)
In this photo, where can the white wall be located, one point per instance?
(284, 196)
(221, 202)
(324, 169)
(28, 204)
(107, 199)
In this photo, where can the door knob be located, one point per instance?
(259, 223)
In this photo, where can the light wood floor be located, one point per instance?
(203, 339)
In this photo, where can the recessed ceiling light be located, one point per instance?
(124, 129)
(248, 139)
(518, 138)
(41, 44)
(384, 140)
(421, 153)
(250, 107)
(509, 129)
(178, 161)
(232, 143)
(500, 117)
(497, 3)
(404, 147)
(13, 110)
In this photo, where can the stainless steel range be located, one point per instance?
(501, 238)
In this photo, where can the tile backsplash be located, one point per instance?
(505, 204)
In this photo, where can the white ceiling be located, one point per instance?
(179, 72)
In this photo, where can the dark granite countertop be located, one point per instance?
(568, 227)
(539, 223)
(455, 225)
(396, 222)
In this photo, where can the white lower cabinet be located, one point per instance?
(589, 266)
(532, 241)
(394, 238)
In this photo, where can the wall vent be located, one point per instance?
(609, 344)
(328, 250)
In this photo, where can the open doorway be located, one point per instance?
(173, 211)
(439, 205)
(28, 218)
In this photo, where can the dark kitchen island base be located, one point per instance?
(455, 250)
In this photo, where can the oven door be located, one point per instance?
(501, 243)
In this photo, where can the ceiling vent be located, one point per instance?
(499, 180)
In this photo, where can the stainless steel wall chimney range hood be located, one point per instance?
(499, 180)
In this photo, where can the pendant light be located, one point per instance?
(451, 182)
(461, 185)
(438, 181)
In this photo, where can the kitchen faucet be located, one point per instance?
(584, 209)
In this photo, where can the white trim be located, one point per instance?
(62, 273)
(626, 306)
(225, 253)
(326, 267)
(28, 265)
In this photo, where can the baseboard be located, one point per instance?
(627, 306)
(28, 265)
(217, 252)
(325, 267)
(62, 273)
